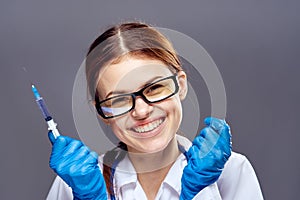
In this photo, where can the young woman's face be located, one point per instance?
(148, 128)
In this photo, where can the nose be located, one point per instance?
(142, 109)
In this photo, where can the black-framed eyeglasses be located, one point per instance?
(154, 92)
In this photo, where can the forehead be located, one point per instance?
(130, 74)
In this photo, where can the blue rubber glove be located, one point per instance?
(78, 166)
(206, 157)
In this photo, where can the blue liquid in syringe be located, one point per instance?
(41, 103)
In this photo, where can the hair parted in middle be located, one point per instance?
(133, 39)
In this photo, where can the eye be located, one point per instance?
(120, 101)
(154, 89)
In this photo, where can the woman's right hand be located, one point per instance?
(78, 166)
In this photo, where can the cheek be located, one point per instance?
(174, 110)
(175, 105)
(118, 127)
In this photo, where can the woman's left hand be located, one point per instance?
(206, 158)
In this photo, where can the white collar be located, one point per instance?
(126, 174)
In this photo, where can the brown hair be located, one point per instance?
(128, 39)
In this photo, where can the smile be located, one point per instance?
(148, 127)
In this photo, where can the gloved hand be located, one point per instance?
(78, 166)
(206, 157)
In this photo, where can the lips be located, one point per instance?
(148, 127)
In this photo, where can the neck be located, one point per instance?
(151, 162)
(152, 168)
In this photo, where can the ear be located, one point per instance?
(182, 82)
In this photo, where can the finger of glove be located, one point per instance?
(218, 142)
(61, 149)
(51, 137)
(220, 126)
(60, 142)
(94, 154)
(200, 148)
(220, 148)
(72, 147)
(212, 145)
(59, 145)
(78, 156)
(71, 164)
(199, 139)
(90, 163)
(214, 123)
(210, 141)
(208, 130)
(205, 132)
(85, 157)
(226, 134)
(84, 167)
(57, 148)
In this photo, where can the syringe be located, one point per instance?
(41, 103)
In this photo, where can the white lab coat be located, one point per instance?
(237, 181)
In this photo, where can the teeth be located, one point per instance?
(148, 127)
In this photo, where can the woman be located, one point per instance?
(138, 84)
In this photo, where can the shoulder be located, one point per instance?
(237, 163)
(238, 179)
(59, 190)
(236, 160)
(234, 167)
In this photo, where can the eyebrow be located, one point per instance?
(118, 92)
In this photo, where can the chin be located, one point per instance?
(157, 145)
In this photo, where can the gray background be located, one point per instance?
(255, 44)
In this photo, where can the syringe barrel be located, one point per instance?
(43, 108)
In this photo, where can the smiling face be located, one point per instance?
(148, 128)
